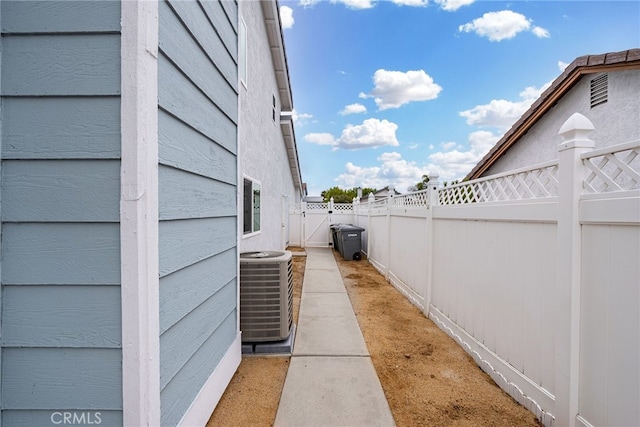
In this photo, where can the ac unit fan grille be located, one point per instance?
(266, 299)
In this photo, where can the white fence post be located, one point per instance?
(354, 210)
(303, 212)
(567, 337)
(433, 201)
(370, 201)
(388, 246)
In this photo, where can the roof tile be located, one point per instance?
(633, 55)
(596, 60)
(615, 57)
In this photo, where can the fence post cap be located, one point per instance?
(575, 131)
(433, 179)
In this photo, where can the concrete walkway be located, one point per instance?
(331, 380)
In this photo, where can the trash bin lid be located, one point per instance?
(350, 227)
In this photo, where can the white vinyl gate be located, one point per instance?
(310, 222)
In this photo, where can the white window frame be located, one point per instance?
(242, 52)
(253, 209)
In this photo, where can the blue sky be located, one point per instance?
(386, 91)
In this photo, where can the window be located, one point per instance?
(242, 52)
(273, 109)
(251, 206)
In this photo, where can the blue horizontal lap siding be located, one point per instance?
(186, 242)
(182, 291)
(180, 342)
(178, 44)
(174, 400)
(61, 128)
(220, 45)
(48, 191)
(60, 147)
(201, 156)
(182, 99)
(183, 194)
(62, 378)
(85, 64)
(224, 15)
(197, 122)
(61, 316)
(25, 16)
(60, 254)
(44, 417)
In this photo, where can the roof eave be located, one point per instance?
(278, 54)
(286, 126)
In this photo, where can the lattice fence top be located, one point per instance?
(614, 168)
(411, 200)
(295, 208)
(343, 207)
(317, 206)
(523, 184)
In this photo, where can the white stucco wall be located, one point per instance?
(262, 152)
(616, 121)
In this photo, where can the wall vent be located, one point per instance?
(599, 90)
(266, 295)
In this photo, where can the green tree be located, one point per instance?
(422, 185)
(344, 196)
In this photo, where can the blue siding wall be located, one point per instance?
(60, 166)
(197, 123)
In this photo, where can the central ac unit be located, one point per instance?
(266, 295)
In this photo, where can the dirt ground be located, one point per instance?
(427, 378)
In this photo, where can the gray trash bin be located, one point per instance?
(334, 235)
(350, 242)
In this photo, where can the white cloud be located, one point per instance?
(416, 3)
(449, 145)
(300, 119)
(448, 5)
(502, 25)
(393, 171)
(320, 138)
(562, 65)
(396, 88)
(355, 4)
(500, 113)
(541, 33)
(371, 133)
(453, 164)
(353, 109)
(286, 16)
(453, 5)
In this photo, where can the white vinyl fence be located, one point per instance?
(534, 272)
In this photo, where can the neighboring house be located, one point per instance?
(383, 193)
(120, 203)
(314, 199)
(268, 160)
(604, 88)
